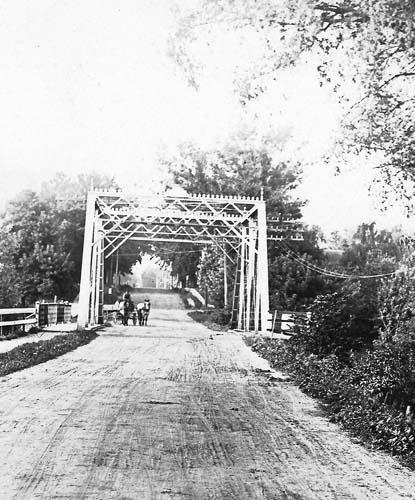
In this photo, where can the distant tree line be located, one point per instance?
(42, 235)
(41, 241)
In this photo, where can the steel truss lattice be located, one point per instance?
(237, 225)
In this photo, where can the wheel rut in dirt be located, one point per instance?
(166, 412)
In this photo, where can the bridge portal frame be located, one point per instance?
(238, 223)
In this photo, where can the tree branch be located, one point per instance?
(342, 11)
(394, 77)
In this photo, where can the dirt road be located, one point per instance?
(172, 411)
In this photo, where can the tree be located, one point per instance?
(9, 278)
(211, 276)
(371, 251)
(365, 51)
(248, 172)
(234, 171)
(41, 265)
(343, 320)
(66, 196)
(183, 258)
(42, 235)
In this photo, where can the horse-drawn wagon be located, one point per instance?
(128, 310)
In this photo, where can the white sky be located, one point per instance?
(88, 86)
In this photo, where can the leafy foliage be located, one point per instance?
(247, 172)
(211, 276)
(39, 256)
(357, 352)
(183, 258)
(347, 316)
(233, 171)
(216, 319)
(293, 286)
(42, 241)
(365, 52)
(371, 251)
(341, 321)
(34, 353)
(9, 290)
(396, 299)
(369, 396)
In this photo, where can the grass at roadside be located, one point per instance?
(34, 353)
(364, 395)
(215, 319)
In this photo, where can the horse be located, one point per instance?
(126, 308)
(143, 311)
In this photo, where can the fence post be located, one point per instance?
(37, 306)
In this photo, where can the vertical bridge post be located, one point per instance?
(262, 268)
(86, 284)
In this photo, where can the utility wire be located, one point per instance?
(335, 274)
(327, 272)
(164, 253)
(180, 252)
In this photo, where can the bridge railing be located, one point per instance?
(10, 318)
(284, 322)
(43, 314)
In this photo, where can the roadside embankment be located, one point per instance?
(214, 319)
(34, 353)
(370, 396)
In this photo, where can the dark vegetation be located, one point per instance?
(34, 353)
(363, 52)
(357, 353)
(215, 319)
(41, 236)
(369, 394)
(359, 363)
(246, 171)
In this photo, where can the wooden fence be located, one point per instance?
(22, 317)
(43, 314)
(284, 322)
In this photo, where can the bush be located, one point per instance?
(341, 321)
(369, 396)
(396, 299)
(34, 353)
(215, 319)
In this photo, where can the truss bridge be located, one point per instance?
(237, 225)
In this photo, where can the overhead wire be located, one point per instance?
(335, 274)
(303, 262)
(327, 272)
(164, 253)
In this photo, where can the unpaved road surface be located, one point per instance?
(174, 411)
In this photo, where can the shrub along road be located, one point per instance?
(174, 411)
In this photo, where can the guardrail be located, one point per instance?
(43, 314)
(18, 316)
(283, 322)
